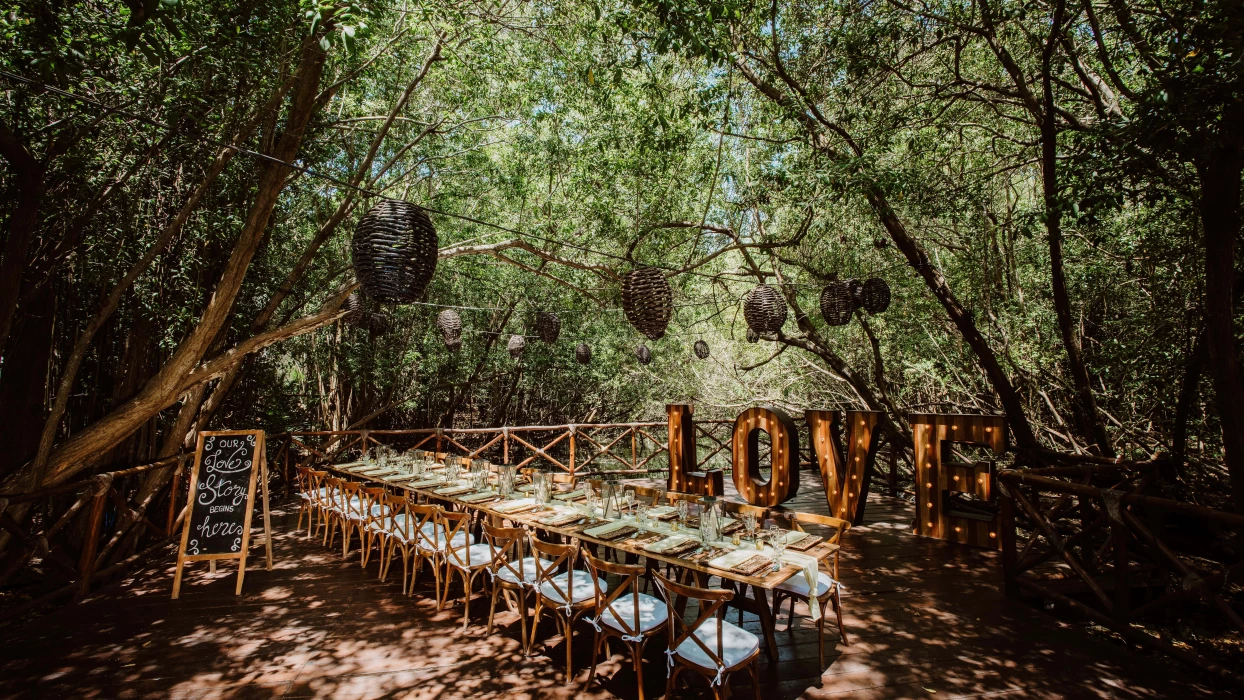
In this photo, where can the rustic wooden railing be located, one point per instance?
(51, 555)
(608, 449)
(1115, 555)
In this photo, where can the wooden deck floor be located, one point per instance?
(927, 620)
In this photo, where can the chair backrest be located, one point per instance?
(302, 480)
(675, 496)
(710, 602)
(550, 557)
(606, 601)
(649, 494)
(425, 514)
(505, 550)
(795, 520)
(373, 496)
(454, 523)
(557, 477)
(351, 498)
(332, 495)
(399, 506)
(737, 508)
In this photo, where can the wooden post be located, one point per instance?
(1122, 591)
(86, 563)
(635, 448)
(893, 469)
(172, 495)
(572, 465)
(505, 434)
(1006, 531)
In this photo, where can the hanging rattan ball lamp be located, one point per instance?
(548, 326)
(875, 296)
(395, 250)
(701, 349)
(648, 301)
(643, 354)
(583, 353)
(516, 346)
(378, 324)
(449, 323)
(838, 302)
(764, 309)
(752, 336)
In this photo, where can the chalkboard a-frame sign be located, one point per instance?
(222, 499)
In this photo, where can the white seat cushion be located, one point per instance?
(528, 567)
(652, 613)
(736, 644)
(461, 539)
(798, 585)
(480, 556)
(581, 592)
(379, 510)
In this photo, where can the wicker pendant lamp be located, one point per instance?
(643, 354)
(449, 323)
(353, 306)
(752, 336)
(875, 295)
(583, 353)
(548, 326)
(701, 349)
(839, 300)
(648, 301)
(395, 249)
(378, 324)
(764, 309)
(516, 346)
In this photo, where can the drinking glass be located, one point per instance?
(628, 498)
(642, 510)
(777, 540)
(749, 525)
(684, 510)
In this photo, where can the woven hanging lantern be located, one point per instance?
(583, 353)
(643, 354)
(548, 326)
(875, 297)
(752, 336)
(378, 324)
(449, 323)
(395, 250)
(764, 309)
(516, 346)
(648, 301)
(701, 349)
(838, 301)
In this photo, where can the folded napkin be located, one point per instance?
(675, 544)
(611, 531)
(482, 495)
(561, 519)
(752, 565)
(811, 575)
(526, 488)
(804, 543)
(570, 496)
(424, 483)
(515, 506)
(454, 490)
(670, 515)
(732, 526)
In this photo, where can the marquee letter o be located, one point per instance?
(783, 481)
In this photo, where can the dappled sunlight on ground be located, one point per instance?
(926, 619)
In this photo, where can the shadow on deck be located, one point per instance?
(927, 619)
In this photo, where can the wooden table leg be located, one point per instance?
(760, 605)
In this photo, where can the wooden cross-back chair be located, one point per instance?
(648, 494)
(511, 573)
(625, 614)
(353, 514)
(709, 646)
(375, 520)
(399, 534)
(338, 506)
(463, 556)
(828, 590)
(310, 494)
(429, 542)
(568, 595)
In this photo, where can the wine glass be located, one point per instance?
(749, 525)
(777, 540)
(642, 510)
(628, 500)
(684, 511)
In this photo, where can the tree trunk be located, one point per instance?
(1219, 173)
(161, 391)
(28, 183)
(1091, 424)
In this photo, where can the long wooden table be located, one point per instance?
(757, 603)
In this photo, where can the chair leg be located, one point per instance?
(637, 656)
(535, 625)
(522, 620)
(492, 607)
(842, 630)
(751, 668)
(820, 640)
(467, 579)
(669, 682)
(595, 656)
(569, 661)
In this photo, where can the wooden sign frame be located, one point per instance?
(257, 471)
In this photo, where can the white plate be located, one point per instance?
(508, 506)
